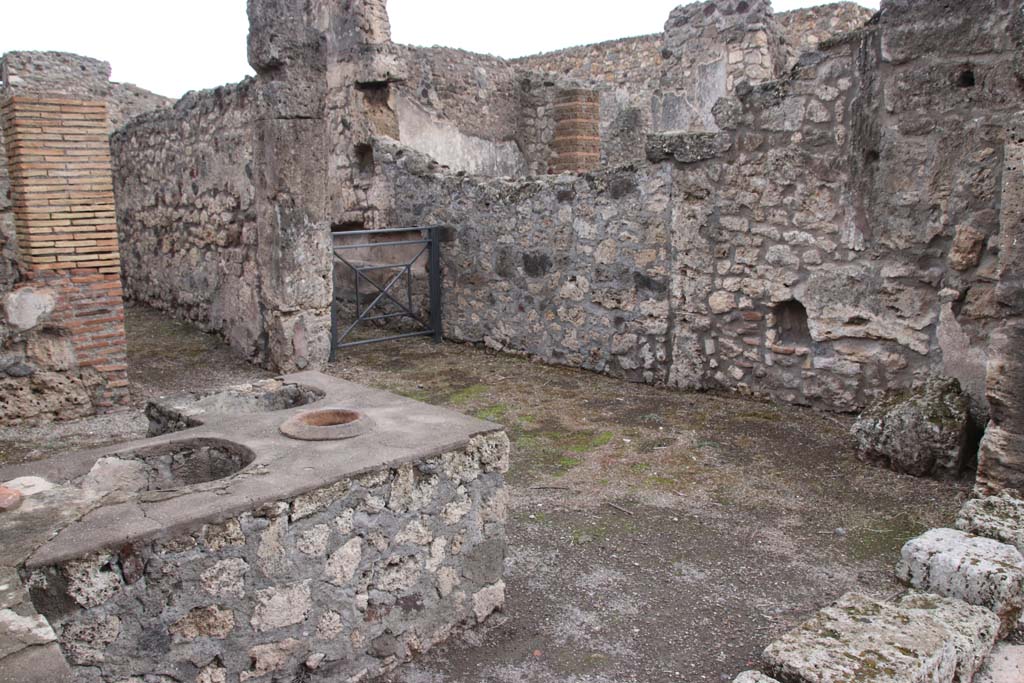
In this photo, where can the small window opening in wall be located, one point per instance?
(375, 92)
(965, 77)
(364, 159)
(791, 317)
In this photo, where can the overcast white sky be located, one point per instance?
(172, 47)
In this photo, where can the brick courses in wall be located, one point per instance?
(67, 313)
(576, 142)
(62, 184)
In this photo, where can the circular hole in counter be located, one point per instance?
(169, 466)
(327, 424)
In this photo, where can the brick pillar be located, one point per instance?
(577, 139)
(58, 155)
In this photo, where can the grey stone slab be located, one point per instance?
(979, 571)
(861, 639)
(19, 631)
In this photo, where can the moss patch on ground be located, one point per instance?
(882, 537)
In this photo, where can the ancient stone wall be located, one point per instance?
(889, 208)
(776, 295)
(804, 30)
(474, 92)
(710, 48)
(825, 237)
(461, 108)
(684, 70)
(624, 62)
(571, 268)
(186, 216)
(816, 252)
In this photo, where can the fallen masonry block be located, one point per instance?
(861, 639)
(997, 517)
(977, 570)
(921, 433)
(974, 628)
(753, 677)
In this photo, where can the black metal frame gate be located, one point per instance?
(431, 246)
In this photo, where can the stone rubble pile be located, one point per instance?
(966, 595)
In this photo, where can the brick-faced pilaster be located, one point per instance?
(58, 155)
(576, 144)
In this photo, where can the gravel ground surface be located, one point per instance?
(654, 535)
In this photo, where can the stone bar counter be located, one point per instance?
(223, 550)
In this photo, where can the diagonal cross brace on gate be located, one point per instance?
(431, 245)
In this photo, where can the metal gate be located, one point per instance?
(385, 295)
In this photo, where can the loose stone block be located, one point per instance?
(974, 628)
(1000, 518)
(979, 571)
(922, 433)
(862, 639)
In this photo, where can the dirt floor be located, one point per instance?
(654, 535)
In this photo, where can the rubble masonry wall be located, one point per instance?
(189, 245)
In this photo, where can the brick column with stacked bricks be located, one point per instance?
(576, 144)
(58, 156)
